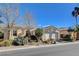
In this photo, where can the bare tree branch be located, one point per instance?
(10, 12)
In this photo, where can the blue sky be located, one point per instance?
(56, 14)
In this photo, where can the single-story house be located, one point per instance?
(64, 32)
(50, 32)
(16, 31)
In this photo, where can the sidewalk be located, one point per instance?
(12, 48)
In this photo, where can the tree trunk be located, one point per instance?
(76, 21)
(10, 32)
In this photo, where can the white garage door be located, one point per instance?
(53, 36)
(45, 36)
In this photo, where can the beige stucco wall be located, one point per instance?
(19, 31)
(74, 36)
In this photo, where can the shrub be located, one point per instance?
(38, 32)
(18, 41)
(1, 40)
(67, 38)
(34, 38)
(1, 35)
(5, 43)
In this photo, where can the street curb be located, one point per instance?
(40, 46)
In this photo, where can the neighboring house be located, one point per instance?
(50, 32)
(16, 31)
(22, 31)
(63, 32)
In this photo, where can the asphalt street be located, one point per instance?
(62, 50)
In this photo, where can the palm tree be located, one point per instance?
(75, 14)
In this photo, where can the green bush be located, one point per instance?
(6, 43)
(67, 38)
(18, 41)
(38, 32)
(1, 40)
(1, 35)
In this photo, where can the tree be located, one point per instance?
(1, 35)
(1, 21)
(75, 14)
(28, 18)
(29, 22)
(10, 13)
(77, 28)
(39, 33)
(70, 29)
